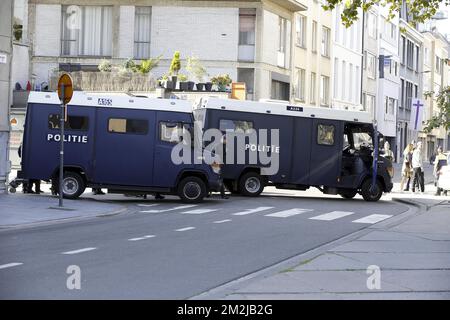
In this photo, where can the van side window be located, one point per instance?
(73, 122)
(235, 125)
(171, 131)
(121, 125)
(325, 134)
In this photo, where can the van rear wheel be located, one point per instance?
(370, 194)
(251, 184)
(73, 185)
(192, 190)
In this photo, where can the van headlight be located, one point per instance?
(390, 170)
(216, 167)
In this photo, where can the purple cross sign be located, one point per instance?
(416, 114)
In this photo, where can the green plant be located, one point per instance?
(175, 65)
(195, 68)
(182, 77)
(147, 65)
(221, 80)
(442, 118)
(129, 64)
(105, 66)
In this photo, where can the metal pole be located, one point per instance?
(61, 151)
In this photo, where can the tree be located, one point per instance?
(442, 119)
(175, 65)
(420, 10)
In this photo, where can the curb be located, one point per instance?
(222, 291)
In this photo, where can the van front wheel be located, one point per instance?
(251, 184)
(192, 190)
(371, 194)
(73, 185)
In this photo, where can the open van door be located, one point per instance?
(326, 153)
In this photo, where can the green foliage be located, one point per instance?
(195, 68)
(221, 80)
(182, 77)
(147, 65)
(442, 118)
(129, 64)
(175, 65)
(105, 66)
(420, 10)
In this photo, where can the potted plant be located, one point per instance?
(197, 71)
(221, 81)
(169, 84)
(105, 66)
(183, 82)
(175, 66)
(17, 30)
(147, 65)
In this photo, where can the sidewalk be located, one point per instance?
(27, 210)
(412, 254)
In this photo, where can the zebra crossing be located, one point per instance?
(271, 212)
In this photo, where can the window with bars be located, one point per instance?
(142, 32)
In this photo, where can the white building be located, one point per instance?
(389, 79)
(347, 63)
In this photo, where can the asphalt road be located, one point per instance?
(174, 251)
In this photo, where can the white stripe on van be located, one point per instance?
(288, 213)
(199, 211)
(373, 218)
(333, 215)
(170, 209)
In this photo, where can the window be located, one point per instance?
(368, 102)
(325, 134)
(142, 32)
(417, 58)
(416, 91)
(301, 31)
(371, 65)
(336, 82)
(86, 31)
(426, 57)
(402, 93)
(393, 31)
(438, 65)
(410, 55)
(312, 88)
(247, 23)
(409, 95)
(133, 126)
(344, 79)
(325, 48)
(324, 90)
(73, 122)
(390, 106)
(280, 90)
(282, 27)
(372, 25)
(237, 126)
(172, 131)
(300, 93)
(314, 37)
(403, 49)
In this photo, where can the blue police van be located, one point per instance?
(329, 149)
(121, 143)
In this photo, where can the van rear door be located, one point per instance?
(124, 147)
(326, 152)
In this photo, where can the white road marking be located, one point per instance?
(185, 229)
(288, 213)
(79, 251)
(332, 215)
(222, 221)
(373, 218)
(147, 205)
(142, 238)
(249, 211)
(171, 209)
(10, 265)
(199, 211)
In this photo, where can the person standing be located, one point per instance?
(407, 167)
(417, 165)
(440, 161)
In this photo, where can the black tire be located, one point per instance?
(371, 195)
(251, 184)
(73, 185)
(348, 194)
(192, 190)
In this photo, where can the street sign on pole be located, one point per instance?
(417, 109)
(65, 92)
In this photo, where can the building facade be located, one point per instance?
(312, 71)
(411, 85)
(346, 63)
(252, 41)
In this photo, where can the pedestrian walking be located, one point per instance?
(407, 170)
(387, 152)
(440, 161)
(417, 164)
